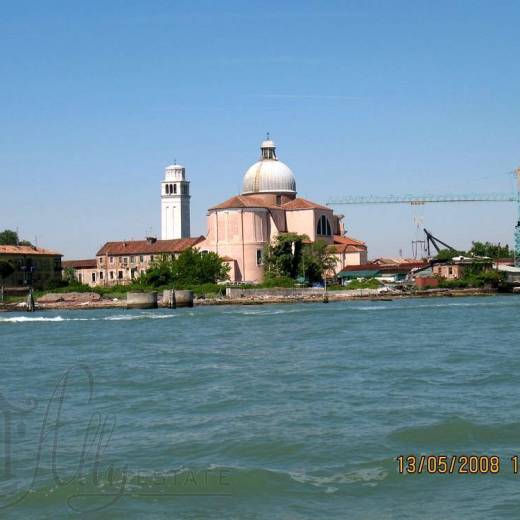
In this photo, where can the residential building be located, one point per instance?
(31, 265)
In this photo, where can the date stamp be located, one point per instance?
(455, 464)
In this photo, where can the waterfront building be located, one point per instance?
(31, 265)
(84, 271)
(175, 203)
(118, 263)
(240, 227)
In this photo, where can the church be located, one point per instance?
(240, 227)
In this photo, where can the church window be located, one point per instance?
(94, 277)
(175, 188)
(132, 259)
(141, 259)
(259, 259)
(324, 226)
(120, 275)
(111, 275)
(111, 259)
(101, 275)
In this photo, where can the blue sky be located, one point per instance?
(365, 97)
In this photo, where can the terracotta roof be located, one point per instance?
(300, 203)
(27, 250)
(136, 247)
(344, 248)
(257, 201)
(248, 201)
(404, 267)
(349, 241)
(91, 263)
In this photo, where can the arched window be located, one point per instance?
(166, 189)
(175, 188)
(323, 227)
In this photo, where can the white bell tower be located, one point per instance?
(175, 203)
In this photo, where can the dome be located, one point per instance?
(269, 175)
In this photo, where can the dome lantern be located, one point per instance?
(269, 175)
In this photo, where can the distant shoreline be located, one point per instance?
(262, 300)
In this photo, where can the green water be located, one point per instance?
(275, 411)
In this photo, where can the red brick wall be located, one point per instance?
(422, 282)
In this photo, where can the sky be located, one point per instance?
(362, 98)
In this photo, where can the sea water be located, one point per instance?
(260, 412)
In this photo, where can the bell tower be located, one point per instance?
(175, 203)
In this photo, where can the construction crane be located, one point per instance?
(434, 241)
(428, 198)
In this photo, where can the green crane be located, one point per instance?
(429, 198)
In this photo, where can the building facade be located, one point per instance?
(30, 265)
(175, 203)
(119, 263)
(240, 227)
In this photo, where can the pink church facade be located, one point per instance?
(240, 227)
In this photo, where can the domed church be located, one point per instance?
(240, 227)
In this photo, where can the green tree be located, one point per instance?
(491, 250)
(448, 254)
(283, 257)
(190, 268)
(8, 237)
(294, 256)
(317, 260)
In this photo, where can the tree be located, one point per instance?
(190, 268)
(448, 254)
(8, 237)
(491, 250)
(317, 260)
(293, 256)
(283, 258)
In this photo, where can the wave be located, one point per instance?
(54, 319)
(458, 431)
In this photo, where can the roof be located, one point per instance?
(27, 250)
(403, 268)
(90, 263)
(299, 203)
(136, 247)
(338, 239)
(343, 248)
(396, 261)
(241, 201)
(360, 273)
(258, 201)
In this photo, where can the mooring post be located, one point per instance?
(30, 301)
